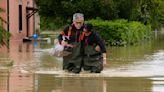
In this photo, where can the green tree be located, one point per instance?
(161, 12)
(51, 11)
(61, 11)
(4, 35)
(148, 11)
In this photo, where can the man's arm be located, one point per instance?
(101, 47)
(62, 33)
(100, 42)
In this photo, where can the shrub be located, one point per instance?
(121, 32)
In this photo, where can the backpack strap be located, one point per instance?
(69, 31)
(81, 36)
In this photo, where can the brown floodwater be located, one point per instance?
(136, 68)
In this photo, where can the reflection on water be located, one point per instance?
(130, 69)
(158, 84)
(50, 83)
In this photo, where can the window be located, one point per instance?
(20, 18)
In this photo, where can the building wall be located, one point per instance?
(37, 20)
(13, 9)
(14, 19)
(29, 3)
(3, 5)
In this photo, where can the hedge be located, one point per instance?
(122, 32)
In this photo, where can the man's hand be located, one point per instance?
(63, 43)
(97, 48)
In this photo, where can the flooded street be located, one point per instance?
(130, 69)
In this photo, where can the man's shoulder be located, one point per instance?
(94, 33)
(66, 27)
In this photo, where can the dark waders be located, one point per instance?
(73, 61)
(92, 60)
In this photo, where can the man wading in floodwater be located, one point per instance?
(74, 35)
(86, 49)
(94, 50)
